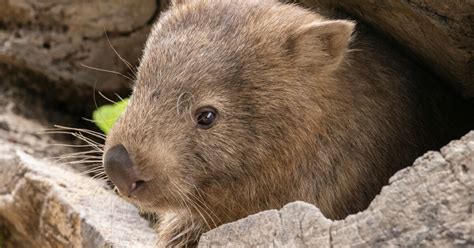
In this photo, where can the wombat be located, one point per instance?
(243, 106)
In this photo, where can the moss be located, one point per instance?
(106, 116)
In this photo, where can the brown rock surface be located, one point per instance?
(428, 205)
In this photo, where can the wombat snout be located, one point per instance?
(121, 170)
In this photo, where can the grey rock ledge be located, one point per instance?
(43, 205)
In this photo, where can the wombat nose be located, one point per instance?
(120, 170)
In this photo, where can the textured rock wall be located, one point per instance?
(429, 205)
(46, 46)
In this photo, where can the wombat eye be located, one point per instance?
(206, 117)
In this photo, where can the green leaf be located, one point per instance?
(106, 115)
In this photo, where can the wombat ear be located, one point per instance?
(321, 44)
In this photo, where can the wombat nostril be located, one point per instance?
(120, 170)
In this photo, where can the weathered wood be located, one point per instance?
(54, 39)
(43, 205)
(46, 203)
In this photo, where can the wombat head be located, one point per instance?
(223, 106)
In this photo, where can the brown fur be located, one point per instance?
(304, 114)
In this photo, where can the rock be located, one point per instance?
(47, 203)
(441, 33)
(42, 205)
(52, 42)
(428, 205)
